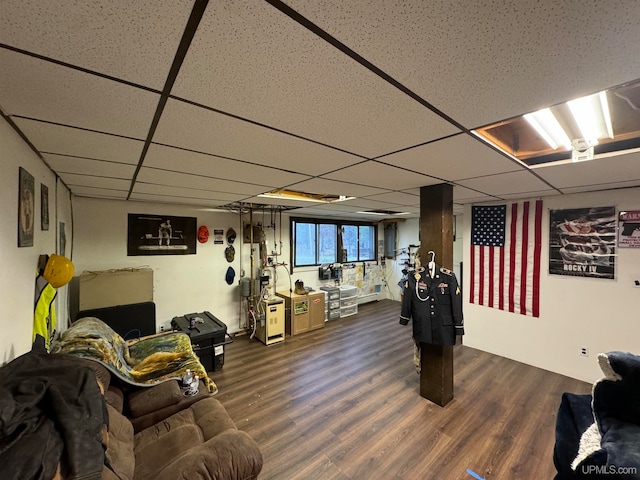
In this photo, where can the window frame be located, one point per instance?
(338, 224)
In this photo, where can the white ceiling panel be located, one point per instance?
(334, 187)
(250, 60)
(200, 202)
(46, 91)
(453, 159)
(95, 192)
(461, 194)
(518, 56)
(176, 159)
(81, 143)
(602, 186)
(86, 166)
(377, 174)
(135, 41)
(605, 170)
(187, 126)
(76, 180)
(399, 198)
(506, 183)
(176, 192)
(369, 204)
(162, 177)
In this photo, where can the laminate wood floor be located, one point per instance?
(343, 403)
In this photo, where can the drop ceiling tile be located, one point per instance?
(506, 183)
(398, 198)
(74, 180)
(540, 193)
(202, 202)
(96, 192)
(171, 192)
(271, 70)
(377, 174)
(135, 41)
(510, 52)
(624, 167)
(284, 202)
(369, 204)
(82, 143)
(602, 186)
(180, 160)
(454, 158)
(198, 182)
(187, 126)
(100, 168)
(45, 91)
(334, 187)
(460, 194)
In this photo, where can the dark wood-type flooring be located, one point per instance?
(343, 403)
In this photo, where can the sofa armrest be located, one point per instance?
(154, 398)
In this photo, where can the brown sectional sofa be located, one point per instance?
(153, 433)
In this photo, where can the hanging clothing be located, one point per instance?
(435, 306)
(44, 317)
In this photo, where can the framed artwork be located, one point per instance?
(629, 229)
(26, 207)
(44, 207)
(160, 235)
(62, 245)
(582, 242)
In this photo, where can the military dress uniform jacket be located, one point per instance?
(435, 305)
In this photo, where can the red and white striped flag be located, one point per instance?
(505, 257)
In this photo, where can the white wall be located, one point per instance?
(182, 283)
(602, 315)
(19, 264)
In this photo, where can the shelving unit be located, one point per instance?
(348, 300)
(332, 302)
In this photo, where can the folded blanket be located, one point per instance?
(612, 442)
(145, 363)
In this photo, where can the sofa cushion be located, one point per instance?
(118, 456)
(156, 446)
(199, 442)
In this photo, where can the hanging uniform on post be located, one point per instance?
(434, 303)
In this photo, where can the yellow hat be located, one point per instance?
(58, 271)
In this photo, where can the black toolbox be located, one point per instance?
(208, 337)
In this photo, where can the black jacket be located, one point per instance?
(51, 412)
(435, 305)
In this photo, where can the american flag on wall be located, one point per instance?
(505, 257)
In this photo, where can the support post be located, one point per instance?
(436, 233)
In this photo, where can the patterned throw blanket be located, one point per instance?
(146, 363)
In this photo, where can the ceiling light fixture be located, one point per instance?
(305, 197)
(549, 128)
(383, 212)
(591, 113)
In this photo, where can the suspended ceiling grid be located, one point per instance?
(210, 103)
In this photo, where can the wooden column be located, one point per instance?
(436, 233)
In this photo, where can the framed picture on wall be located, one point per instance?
(44, 207)
(582, 242)
(26, 207)
(160, 235)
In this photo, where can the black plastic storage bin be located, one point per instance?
(208, 337)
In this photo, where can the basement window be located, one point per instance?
(317, 242)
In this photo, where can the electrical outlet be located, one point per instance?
(584, 351)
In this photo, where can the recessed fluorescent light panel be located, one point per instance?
(608, 121)
(383, 212)
(305, 196)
